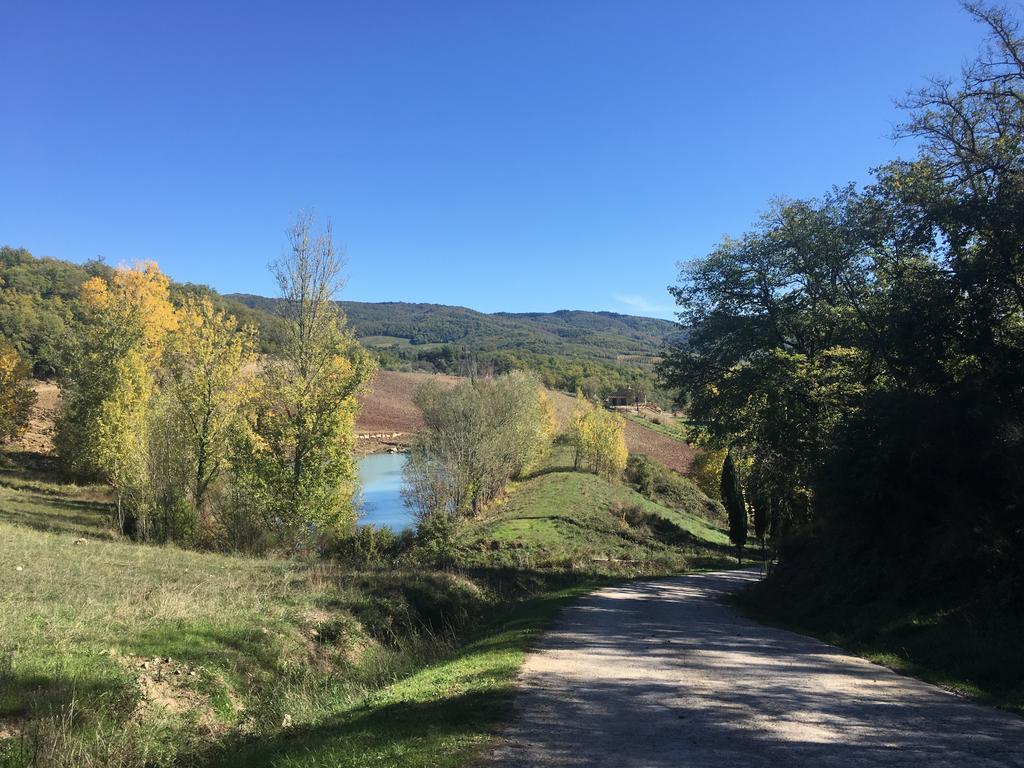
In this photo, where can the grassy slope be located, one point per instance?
(161, 652)
(564, 518)
(118, 652)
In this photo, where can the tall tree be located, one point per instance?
(598, 439)
(110, 381)
(478, 436)
(732, 498)
(209, 376)
(297, 459)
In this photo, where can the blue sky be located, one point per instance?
(524, 156)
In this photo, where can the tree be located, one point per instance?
(208, 381)
(598, 439)
(732, 498)
(110, 380)
(478, 436)
(295, 459)
(16, 394)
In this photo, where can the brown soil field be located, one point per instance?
(674, 454)
(388, 407)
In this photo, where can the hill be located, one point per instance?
(600, 352)
(604, 336)
(38, 306)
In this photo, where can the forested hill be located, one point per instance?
(596, 335)
(598, 351)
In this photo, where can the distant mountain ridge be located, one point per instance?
(576, 333)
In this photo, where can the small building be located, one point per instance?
(622, 398)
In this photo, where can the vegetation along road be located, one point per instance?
(665, 673)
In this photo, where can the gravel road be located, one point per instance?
(664, 673)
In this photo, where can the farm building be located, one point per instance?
(625, 397)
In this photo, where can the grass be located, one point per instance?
(81, 512)
(157, 655)
(395, 341)
(666, 425)
(580, 522)
(113, 653)
(443, 715)
(116, 653)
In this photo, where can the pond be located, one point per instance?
(380, 501)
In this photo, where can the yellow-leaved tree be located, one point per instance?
(109, 383)
(598, 439)
(16, 394)
(208, 384)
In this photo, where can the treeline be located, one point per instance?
(863, 356)
(203, 441)
(39, 307)
(566, 332)
(600, 352)
(565, 374)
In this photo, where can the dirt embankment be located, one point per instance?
(38, 437)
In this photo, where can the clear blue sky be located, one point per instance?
(527, 155)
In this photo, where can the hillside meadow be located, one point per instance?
(116, 653)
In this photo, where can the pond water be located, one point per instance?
(380, 501)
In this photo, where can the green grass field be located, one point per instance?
(382, 342)
(114, 653)
(578, 521)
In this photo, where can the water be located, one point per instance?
(380, 476)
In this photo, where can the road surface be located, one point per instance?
(665, 673)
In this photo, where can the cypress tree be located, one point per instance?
(732, 498)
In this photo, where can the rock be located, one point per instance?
(19, 568)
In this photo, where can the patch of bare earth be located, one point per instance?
(674, 454)
(169, 687)
(38, 436)
(389, 417)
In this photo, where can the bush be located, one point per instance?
(372, 547)
(659, 483)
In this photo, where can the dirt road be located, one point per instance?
(665, 674)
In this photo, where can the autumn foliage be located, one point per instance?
(16, 396)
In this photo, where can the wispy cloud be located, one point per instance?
(641, 305)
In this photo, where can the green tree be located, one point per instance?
(478, 436)
(208, 381)
(16, 394)
(295, 459)
(736, 509)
